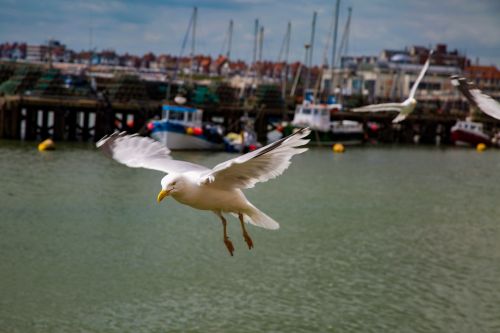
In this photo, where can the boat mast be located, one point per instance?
(256, 37)
(177, 63)
(344, 44)
(309, 54)
(193, 38)
(284, 74)
(230, 39)
(332, 87)
(261, 42)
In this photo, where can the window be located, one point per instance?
(306, 111)
(174, 115)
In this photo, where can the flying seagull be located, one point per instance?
(218, 189)
(404, 108)
(476, 97)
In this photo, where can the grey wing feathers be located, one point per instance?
(379, 107)
(420, 76)
(476, 97)
(258, 166)
(142, 152)
(486, 103)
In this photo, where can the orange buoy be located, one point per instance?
(481, 147)
(47, 144)
(338, 148)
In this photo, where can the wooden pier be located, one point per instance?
(63, 118)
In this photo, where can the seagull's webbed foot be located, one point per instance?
(229, 245)
(227, 241)
(246, 236)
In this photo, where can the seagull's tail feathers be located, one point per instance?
(256, 217)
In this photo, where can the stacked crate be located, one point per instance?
(202, 95)
(22, 82)
(127, 87)
(270, 96)
(6, 71)
(51, 83)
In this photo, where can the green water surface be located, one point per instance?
(379, 239)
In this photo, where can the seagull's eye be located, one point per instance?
(173, 184)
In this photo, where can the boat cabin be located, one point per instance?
(469, 126)
(182, 115)
(315, 116)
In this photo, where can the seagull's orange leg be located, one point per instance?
(246, 236)
(227, 242)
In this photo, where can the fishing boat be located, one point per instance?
(181, 127)
(317, 117)
(469, 133)
(347, 132)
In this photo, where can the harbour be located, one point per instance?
(88, 118)
(249, 166)
(378, 239)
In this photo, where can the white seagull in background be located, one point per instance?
(217, 189)
(404, 108)
(475, 97)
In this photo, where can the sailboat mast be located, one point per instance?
(261, 42)
(230, 39)
(193, 39)
(284, 74)
(256, 37)
(309, 54)
(344, 43)
(332, 87)
(173, 77)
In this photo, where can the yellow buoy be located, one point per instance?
(47, 144)
(189, 131)
(481, 147)
(338, 148)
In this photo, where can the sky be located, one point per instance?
(137, 27)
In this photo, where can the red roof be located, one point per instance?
(482, 72)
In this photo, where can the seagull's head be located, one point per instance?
(169, 184)
(410, 103)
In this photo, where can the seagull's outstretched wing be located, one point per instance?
(141, 152)
(260, 165)
(420, 76)
(379, 107)
(475, 97)
(487, 104)
(399, 118)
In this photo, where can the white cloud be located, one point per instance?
(138, 27)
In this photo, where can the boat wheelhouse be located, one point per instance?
(181, 127)
(469, 133)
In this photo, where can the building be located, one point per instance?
(36, 53)
(13, 51)
(486, 78)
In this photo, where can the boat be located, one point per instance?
(317, 117)
(469, 133)
(181, 127)
(347, 132)
(244, 141)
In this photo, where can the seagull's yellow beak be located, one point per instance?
(163, 194)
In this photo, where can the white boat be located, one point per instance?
(181, 127)
(317, 117)
(347, 132)
(469, 133)
(314, 116)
